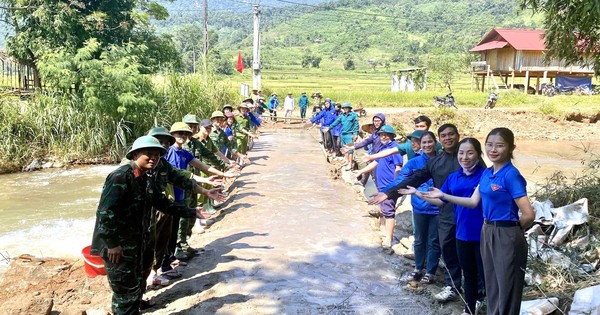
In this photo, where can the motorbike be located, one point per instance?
(548, 89)
(491, 102)
(445, 101)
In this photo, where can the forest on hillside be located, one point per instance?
(378, 33)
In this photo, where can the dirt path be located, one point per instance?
(292, 242)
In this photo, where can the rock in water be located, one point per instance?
(33, 166)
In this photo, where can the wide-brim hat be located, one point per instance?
(347, 105)
(190, 119)
(417, 134)
(243, 105)
(387, 129)
(180, 126)
(370, 128)
(217, 114)
(161, 131)
(145, 142)
(227, 106)
(248, 100)
(273, 94)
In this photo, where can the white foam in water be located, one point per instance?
(54, 238)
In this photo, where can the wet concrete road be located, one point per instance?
(293, 241)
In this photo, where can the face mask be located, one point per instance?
(470, 169)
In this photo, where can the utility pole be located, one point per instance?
(205, 50)
(256, 49)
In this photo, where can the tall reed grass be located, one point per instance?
(65, 128)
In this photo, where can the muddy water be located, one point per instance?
(538, 160)
(49, 213)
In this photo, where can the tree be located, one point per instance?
(349, 64)
(572, 30)
(42, 26)
(444, 69)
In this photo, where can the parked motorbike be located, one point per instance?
(584, 90)
(491, 102)
(548, 89)
(445, 101)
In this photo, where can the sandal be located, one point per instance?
(427, 279)
(414, 276)
(171, 274)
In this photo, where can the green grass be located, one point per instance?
(368, 88)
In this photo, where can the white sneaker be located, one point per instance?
(478, 306)
(447, 294)
(160, 280)
(206, 222)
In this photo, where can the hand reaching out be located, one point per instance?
(377, 198)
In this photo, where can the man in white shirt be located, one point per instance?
(288, 106)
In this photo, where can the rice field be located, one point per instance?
(367, 88)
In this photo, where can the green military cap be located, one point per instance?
(145, 142)
(161, 131)
(190, 119)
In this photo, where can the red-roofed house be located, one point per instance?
(514, 53)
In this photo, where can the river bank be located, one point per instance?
(304, 245)
(235, 260)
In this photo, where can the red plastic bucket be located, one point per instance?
(94, 266)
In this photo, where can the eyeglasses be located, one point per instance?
(490, 145)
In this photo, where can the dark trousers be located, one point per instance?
(125, 279)
(172, 244)
(327, 140)
(302, 112)
(337, 145)
(164, 223)
(469, 256)
(447, 234)
(426, 245)
(504, 256)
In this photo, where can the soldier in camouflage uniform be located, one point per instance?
(124, 219)
(243, 127)
(167, 175)
(208, 157)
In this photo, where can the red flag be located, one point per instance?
(240, 63)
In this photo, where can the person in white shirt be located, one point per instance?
(288, 106)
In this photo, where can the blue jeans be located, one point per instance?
(426, 243)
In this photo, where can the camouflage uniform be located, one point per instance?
(167, 176)
(124, 218)
(219, 138)
(202, 153)
(242, 123)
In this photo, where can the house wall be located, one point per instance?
(508, 59)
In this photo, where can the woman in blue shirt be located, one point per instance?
(502, 192)
(468, 220)
(425, 215)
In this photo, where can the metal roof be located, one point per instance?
(519, 39)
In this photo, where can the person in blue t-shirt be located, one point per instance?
(303, 104)
(387, 168)
(325, 117)
(502, 192)
(349, 121)
(469, 221)
(425, 215)
(407, 148)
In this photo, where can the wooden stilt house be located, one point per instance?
(506, 54)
